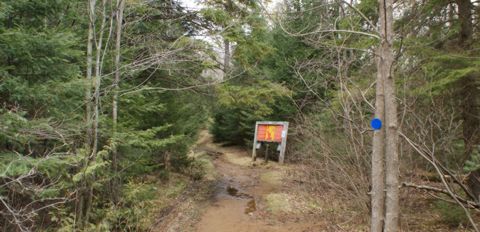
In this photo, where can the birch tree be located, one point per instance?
(81, 193)
(97, 81)
(118, 40)
(95, 40)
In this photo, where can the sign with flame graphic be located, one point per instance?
(271, 132)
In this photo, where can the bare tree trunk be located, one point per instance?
(378, 152)
(96, 105)
(118, 40)
(391, 122)
(88, 89)
(384, 140)
(81, 193)
(385, 209)
(226, 58)
(97, 81)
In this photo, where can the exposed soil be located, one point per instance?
(239, 203)
(244, 197)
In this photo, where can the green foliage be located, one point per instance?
(240, 106)
(141, 203)
(137, 204)
(445, 70)
(217, 16)
(42, 110)
(473, 164)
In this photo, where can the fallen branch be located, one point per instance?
(432, 160)
(467, 203)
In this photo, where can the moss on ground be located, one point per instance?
(273, 177)
(278, 203)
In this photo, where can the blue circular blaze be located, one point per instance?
(376, 124)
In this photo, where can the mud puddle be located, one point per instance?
(235, 205)
(228, 191)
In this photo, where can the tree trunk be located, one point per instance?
(226, 58)
(97, 81)
(470, 112)
(391, 122)
(465, 16)
(469, 92)
(81, 192)
(118, 40)
(96, 106)
(88, 89)
(378, 153)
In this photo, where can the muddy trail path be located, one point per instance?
(243, 196)
(241, 200)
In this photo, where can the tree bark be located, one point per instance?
(378, 154)
(96, 106)
(118, 40)
(97, 81)
(88, 89)
(391, 122)
(378, 149)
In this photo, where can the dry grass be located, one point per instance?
(238, 160)
(419, 209)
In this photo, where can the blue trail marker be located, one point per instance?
(376, 124)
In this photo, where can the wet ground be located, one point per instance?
(243, 197)
(239, 204)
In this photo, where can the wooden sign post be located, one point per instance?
(266, 131)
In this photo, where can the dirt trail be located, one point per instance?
(237, 195)
(241, 200)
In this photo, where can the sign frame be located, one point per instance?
(283, 143)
